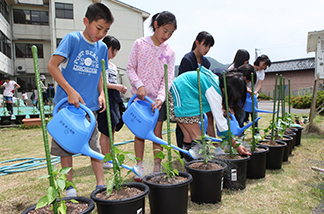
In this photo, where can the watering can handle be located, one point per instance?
(83, 107)
(146, 97)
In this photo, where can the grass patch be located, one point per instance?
(295, 188)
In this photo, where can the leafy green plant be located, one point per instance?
(170, 171)
(117, 179)
(55, 192)
(5, 112)
(263, 97)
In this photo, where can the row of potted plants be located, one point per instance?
(167, 190)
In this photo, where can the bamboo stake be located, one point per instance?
(274, 108)
(253, 148)
(201, 118)
(289, 103)
(44, 130)
(229, 134)
(112, 146)
(168, 116)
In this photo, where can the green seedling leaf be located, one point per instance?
(176, 171)
(159, 155)
(62, 208)
(120, 158)
(74, 201)
(131, 157)
(44, 176)
(61, 184)
(42, 202)
(65, 170)
(110, 186)
(51, 194)
(107, 157)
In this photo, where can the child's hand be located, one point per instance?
(122, 88)
(141, 92)
(102, 102)
(156, 104)
(242, 151)
(74, 98)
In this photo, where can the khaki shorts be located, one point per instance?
(57, 150)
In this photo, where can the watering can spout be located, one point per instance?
(248, 125)
(248, 105)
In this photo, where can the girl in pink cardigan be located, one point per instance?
(145, 71)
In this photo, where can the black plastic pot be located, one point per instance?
(5, 120)
(299, 134)
(34, 116)
(288, 140)
(168, 198)
(19, 118)
(80, 199)
(235, 173)
(207, 185)
(256, 166)
(293, 135)
(275, 155)
(294, 130)
(130, 205)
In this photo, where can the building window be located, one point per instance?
(64, 11)
(4, 9)
(26, 83)
(5, 45)
(32, 17)
(58, 40)
(23, 50)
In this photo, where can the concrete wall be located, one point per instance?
(6, 63)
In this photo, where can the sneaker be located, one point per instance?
(71, 192)
(101, 186)
(107, 165)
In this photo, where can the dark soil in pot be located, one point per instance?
(85, 205)
(256, 166)
(207, 184)
(118, 204)
(288, 140)
(168, 198)
(275, 154)
(235, 173)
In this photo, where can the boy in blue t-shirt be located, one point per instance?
(80, 80)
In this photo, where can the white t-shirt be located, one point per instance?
(8, 88)
(260, 76)
(111, 74)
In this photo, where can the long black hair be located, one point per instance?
(240, 57)
(206, 37)
(236, 91)
(164, 18)
(246, 70)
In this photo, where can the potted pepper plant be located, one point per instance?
(276, 147)
(168, 188)
(235, 173)
(119, 196)
(20, 116)
(256, 167)
(57, 179)
(207, 174)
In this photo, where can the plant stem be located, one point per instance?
(253, 148)
(289, 104)
(202, 119)
(283, 98)
(279, 97)
(112, 147)
(229, 134)
(44, 130)
(274, 108)
(168, 118)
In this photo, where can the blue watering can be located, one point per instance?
(140, 119)
(248, 105)
(205, 130)
(235, 127)
(72, 131)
